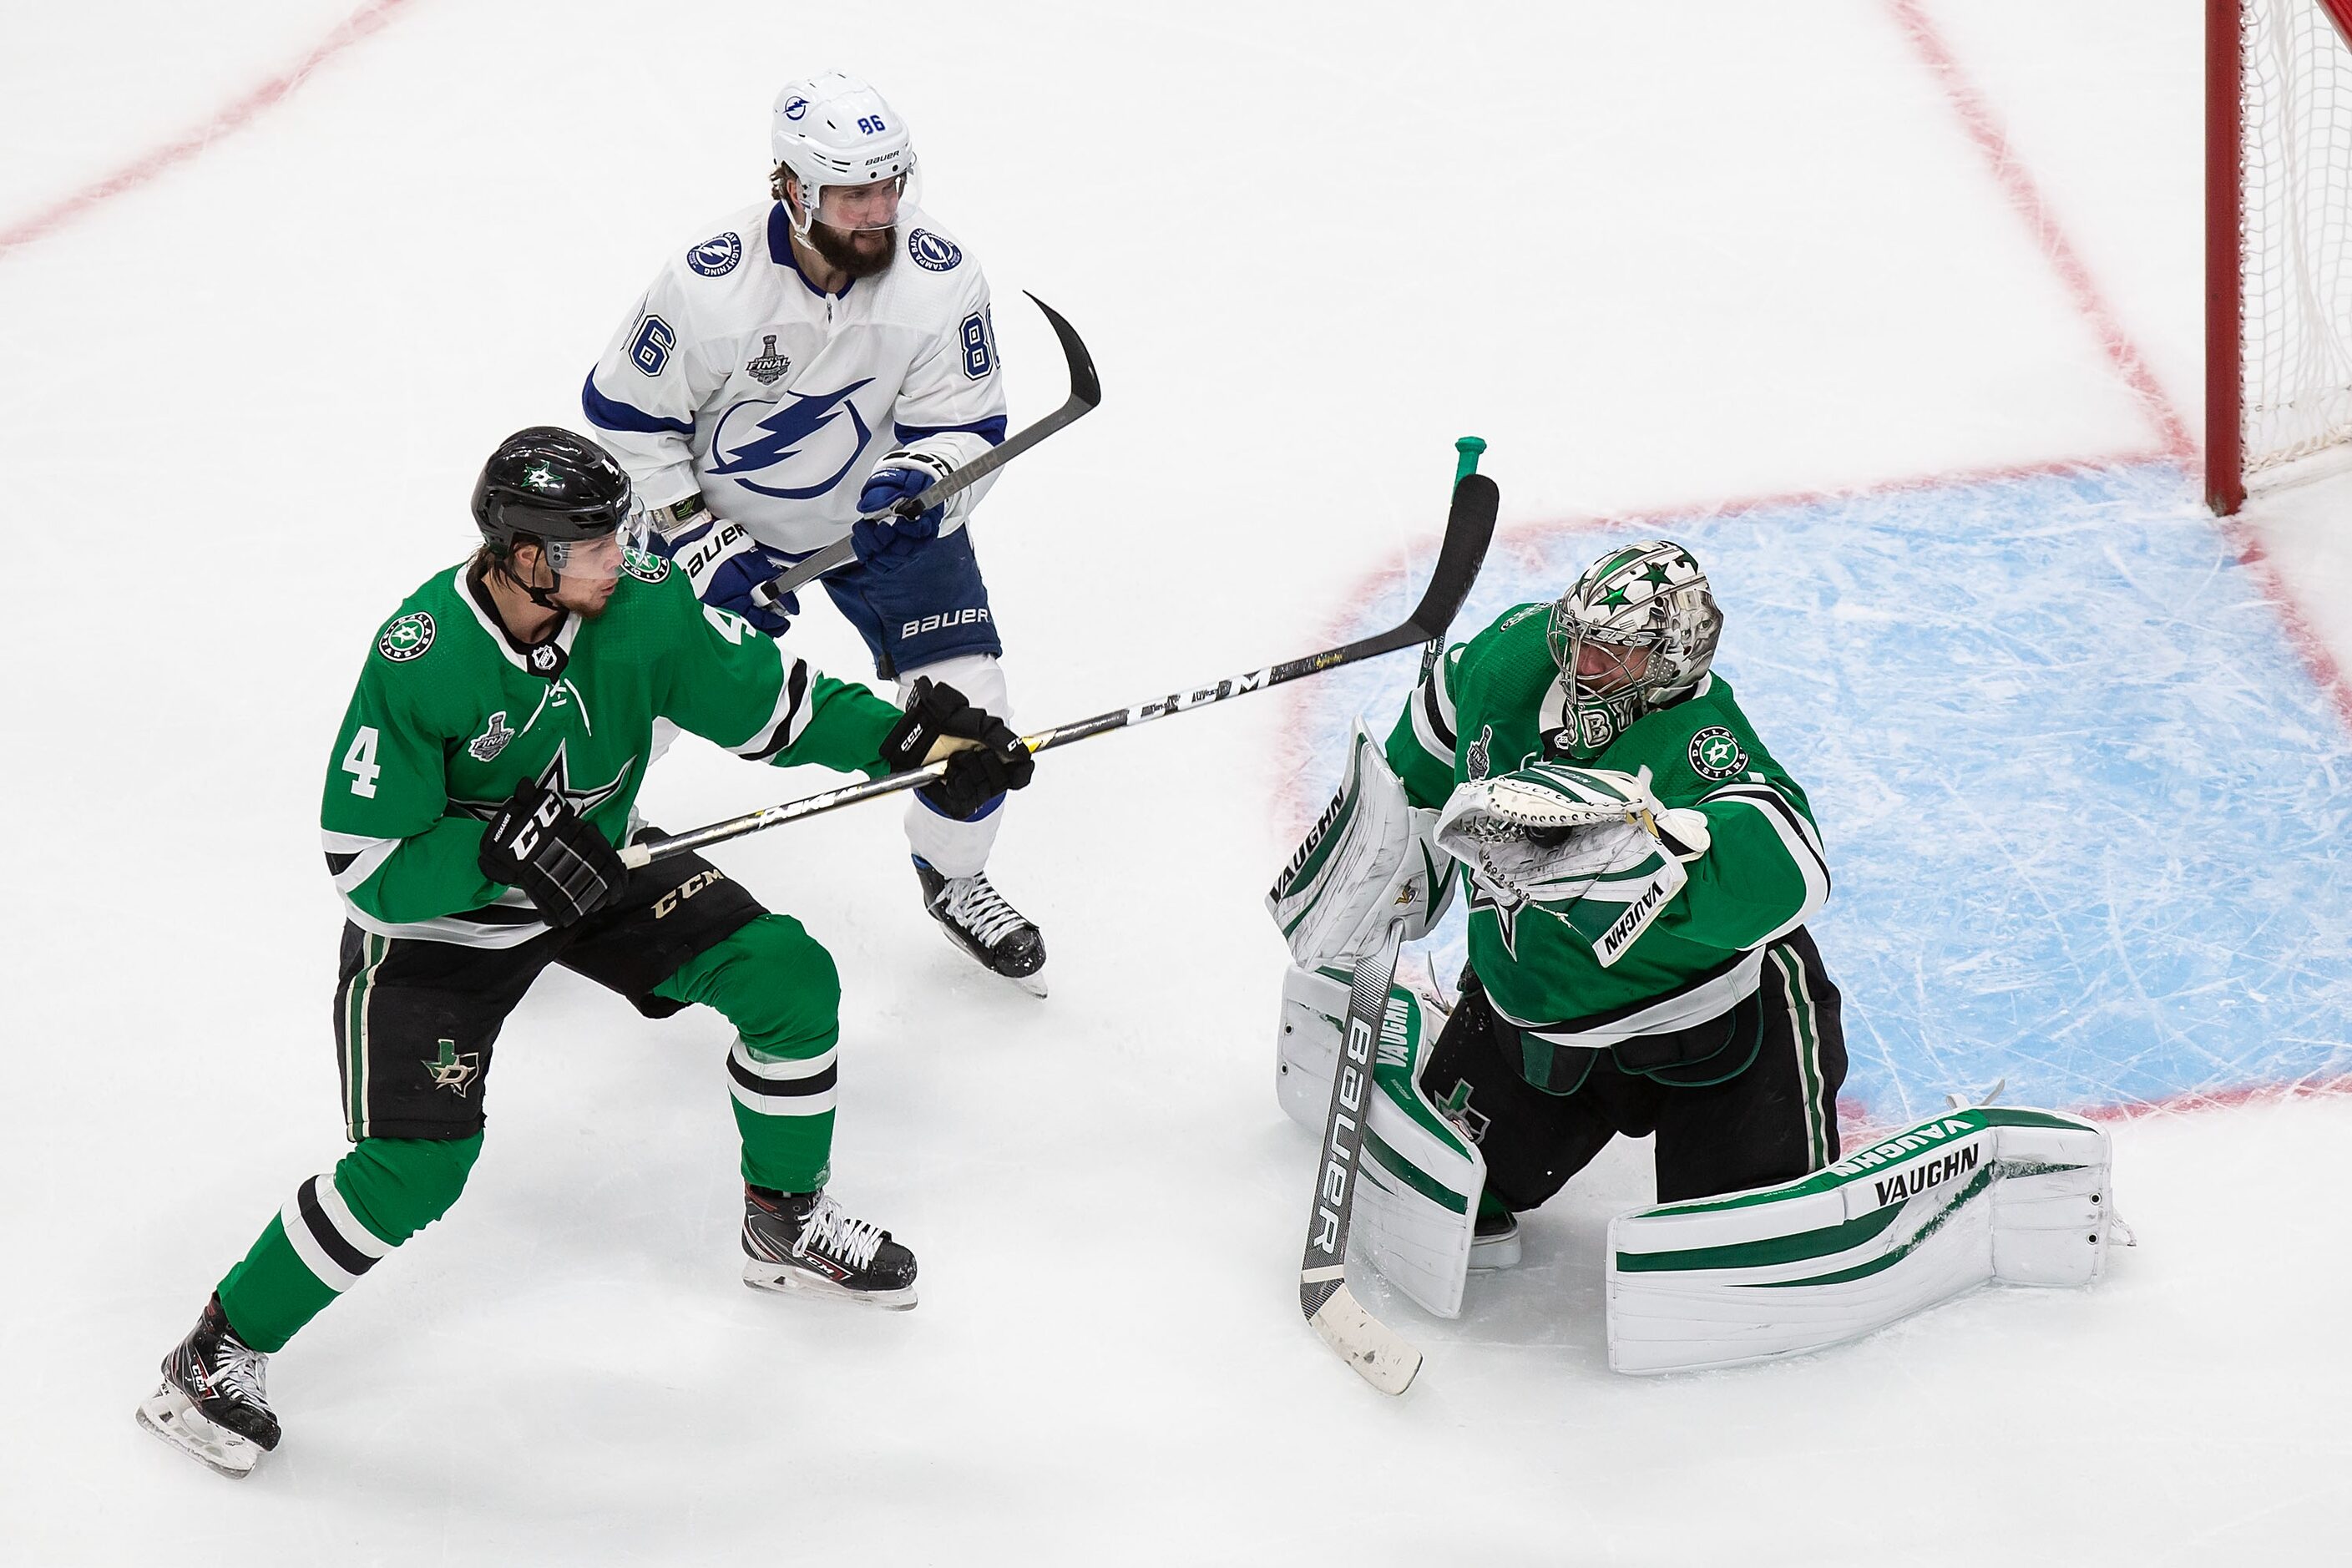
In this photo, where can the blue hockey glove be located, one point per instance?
(885, 542)
(724, 562)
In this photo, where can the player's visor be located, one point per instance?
(857, 209)
(600, 559)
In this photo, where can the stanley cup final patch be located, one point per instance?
(1716, 754)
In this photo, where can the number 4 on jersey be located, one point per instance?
(361, 763)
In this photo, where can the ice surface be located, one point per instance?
(1669, 261)
(2086, 809)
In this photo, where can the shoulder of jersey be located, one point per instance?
(425, 620)
(1511, 631)
(729, 252)
(932, 268)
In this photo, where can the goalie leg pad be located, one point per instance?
(1417, 1203)
(1995, 1193)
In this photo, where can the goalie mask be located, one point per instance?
(1634, 635)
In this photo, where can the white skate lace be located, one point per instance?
(981, 911)
(830, 1229)
(240, 1372)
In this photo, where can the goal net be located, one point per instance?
(2279, 236)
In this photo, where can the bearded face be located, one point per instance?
(861, 253)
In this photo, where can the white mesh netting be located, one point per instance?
(2295, 168)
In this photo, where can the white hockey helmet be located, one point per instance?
(846, 149)
(1636, 633)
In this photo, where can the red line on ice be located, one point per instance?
(1984, 129)
(361, 23)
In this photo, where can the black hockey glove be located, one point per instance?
(538, 843)
(984, 757)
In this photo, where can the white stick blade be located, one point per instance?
(1379, 1357)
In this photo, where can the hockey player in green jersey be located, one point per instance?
(1639, 869)
(485, 773)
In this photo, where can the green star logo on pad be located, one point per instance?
(453, 1071)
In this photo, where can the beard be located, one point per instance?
(861, 253)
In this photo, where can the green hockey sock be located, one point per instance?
(334, 1229)
(779, 988)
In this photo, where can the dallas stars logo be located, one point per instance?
(1716, 754)
(556, 779)
(1506, 907)
(539, 476)
(452, 1070)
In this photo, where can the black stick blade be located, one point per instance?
(1469, 528)
(1086, 388)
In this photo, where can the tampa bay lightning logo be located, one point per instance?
(933, 252)
(755, 435)
(717, 257)
(794, 107)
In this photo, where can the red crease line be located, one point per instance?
(367, 20)
(1985, 130)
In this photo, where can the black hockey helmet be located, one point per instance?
(550, 485)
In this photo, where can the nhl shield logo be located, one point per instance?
(768, 367)
(486, 746)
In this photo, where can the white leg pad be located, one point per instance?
(1418, 1201)
(958, 848)
(2016, 1195)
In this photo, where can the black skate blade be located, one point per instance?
(786, 1280)
(174, 1419)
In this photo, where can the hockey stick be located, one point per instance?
(1379, 1354)
(1468, 526)
(1086, 391)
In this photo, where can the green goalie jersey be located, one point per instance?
(1488, 708)
(451, 713)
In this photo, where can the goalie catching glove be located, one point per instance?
(1369, 859)
(1590, 847)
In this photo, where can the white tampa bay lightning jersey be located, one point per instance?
(737, 377)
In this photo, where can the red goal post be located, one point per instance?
(2278, 237)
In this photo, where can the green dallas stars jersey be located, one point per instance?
(1487, 708)
(451, 713)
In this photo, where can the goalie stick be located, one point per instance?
(1469, 524)
(1379, 1354)
(1086, 391)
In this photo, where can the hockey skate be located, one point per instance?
(1495, 1240)
(212, 1406)
(805, 1241)
(978, 919)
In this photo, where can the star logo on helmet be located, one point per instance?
(1656, 573)
(539, 476)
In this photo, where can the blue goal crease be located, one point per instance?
(2083, 806)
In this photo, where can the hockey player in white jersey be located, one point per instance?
(821, 357)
